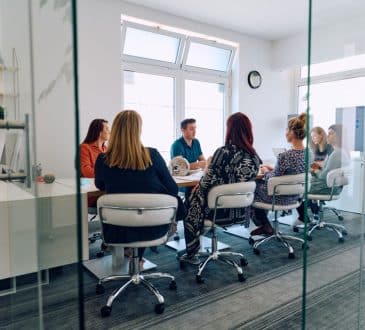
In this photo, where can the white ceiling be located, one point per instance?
(267, 19)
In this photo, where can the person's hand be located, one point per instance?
(264, 169)
(315, 166)
(195, 188)
(202, 164)
(269, 167)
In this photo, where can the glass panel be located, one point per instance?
(205, 102)
(334, 281)
(151, 45)
(208, 57)
(153, 97)
(38, 218)
(343, 64)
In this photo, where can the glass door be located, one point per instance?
(40, 236)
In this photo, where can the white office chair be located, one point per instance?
(281, 186)
(234, 195)
(335, 180)
(135, 210)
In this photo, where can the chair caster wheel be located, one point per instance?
(243, 262)
(199, 279)
(295, 229)
(105, 311)
(309, 238)
(291, 256)
(159, 308)
(100, 289)
(256, 251)
(344, 233)
(341, 240)
(305, 246)
(177, 238)
(172, 285)
(251, 241)
(340, 217)
(100, 254)
(241, 278)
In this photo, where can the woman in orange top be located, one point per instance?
(93, 145)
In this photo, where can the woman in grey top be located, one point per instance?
(336, 159)
(318, 186)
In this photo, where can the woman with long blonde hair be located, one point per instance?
(129, 167)
(318, 144)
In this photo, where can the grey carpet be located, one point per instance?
(135, 308)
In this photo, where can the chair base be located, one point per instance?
(282, 239)
(338, 229)
(134, 278)
(102, 267)
(223, 256)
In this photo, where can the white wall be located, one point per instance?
(100, 66)
(328, 43)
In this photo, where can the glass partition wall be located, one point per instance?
(40, 233)
(331, 89)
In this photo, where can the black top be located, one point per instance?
(322, 155)
(156, 179)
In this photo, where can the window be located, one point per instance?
(204, 101)
(168, 76)
(150, 45)
(152, 96)
(340, 65)
(202, 55)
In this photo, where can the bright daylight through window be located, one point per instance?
(165, 80)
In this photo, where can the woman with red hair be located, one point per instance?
(236, 161)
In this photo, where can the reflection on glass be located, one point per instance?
(205, 102)
(152, 97)
(151, 45)
(208, 57)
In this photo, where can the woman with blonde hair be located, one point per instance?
(318, 144)
(129, 167)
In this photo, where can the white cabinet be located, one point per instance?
(352, 196)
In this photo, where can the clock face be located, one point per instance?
(254, 79)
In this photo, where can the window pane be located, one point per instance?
(151, 45)
(153, 98)
(343, 64)
(205, 102)
(208, 57)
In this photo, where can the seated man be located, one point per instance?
(188, 146)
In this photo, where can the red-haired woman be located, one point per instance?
(93, 145)
(236, 161)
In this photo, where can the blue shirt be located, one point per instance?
(180, 148)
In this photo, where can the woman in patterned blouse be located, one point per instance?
(236, 161)
(288, 162)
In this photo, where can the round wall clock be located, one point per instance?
(254, 79)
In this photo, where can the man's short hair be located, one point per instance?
(186, 122)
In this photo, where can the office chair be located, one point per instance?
(336, 180)
(139, 211)
(280, 186)
(226, 196)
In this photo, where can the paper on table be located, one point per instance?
(191, 177)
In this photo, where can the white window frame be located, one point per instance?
(330, 77)
(211, 43)
(144, 60)
(179, 91)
